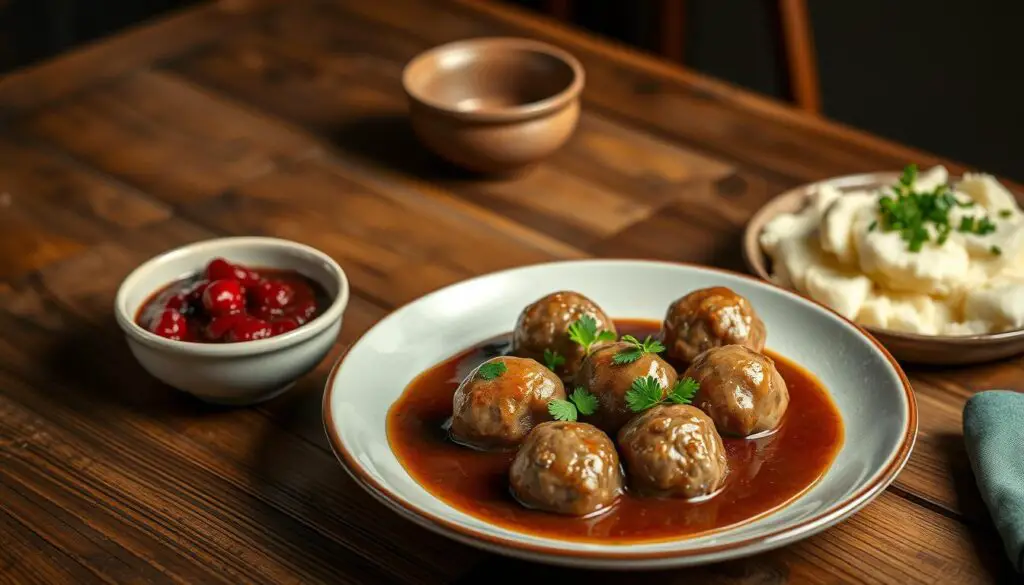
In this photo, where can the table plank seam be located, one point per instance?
(102, 488)
(228, 16)
(936, 507)
(636, 124)
(327, 153)
(158, 447)
(100, 545)
(733, 95)
(59, 549)
(143, 464)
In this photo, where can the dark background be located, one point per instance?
(943, 75)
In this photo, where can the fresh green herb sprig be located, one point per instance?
(552, 359)
(579, 402)
(492, 370)
(646, 392)
(637, 349)
(584, 332)
(910, 212)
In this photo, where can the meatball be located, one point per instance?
(544, 325)
(740, 390)
(610, 382)
(568, 468)
(673, 450)
(710, 317)
(495, 409)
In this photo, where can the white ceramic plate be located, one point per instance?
(867, 386)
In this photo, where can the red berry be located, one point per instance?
(247, 276)
(195, 294)
(178, 302)
(285, 325)
(223, 297)
(170, 324)
(250, 329)
(220, 326)
(221, 269)
(304, 311)
(272, 294)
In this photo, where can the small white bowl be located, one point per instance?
(869, 389)
(233, 373)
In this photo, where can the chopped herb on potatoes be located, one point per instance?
(911, 212)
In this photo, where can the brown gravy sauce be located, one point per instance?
(764, 473)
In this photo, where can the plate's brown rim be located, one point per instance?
(751, 245)
(838, 512)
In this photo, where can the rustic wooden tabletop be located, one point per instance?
(287, 119)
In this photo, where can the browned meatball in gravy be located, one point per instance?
(545, 325)
(610, 382)
(710, 317)
(498, 411)
(568, 468)
(673, 450)
(740, 390)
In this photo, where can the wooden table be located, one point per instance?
(287, 119)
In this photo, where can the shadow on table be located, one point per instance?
(96, 360)
(760, 569)
(984, 537)
(313, 500)
(387, 140)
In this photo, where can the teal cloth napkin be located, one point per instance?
(994, 431)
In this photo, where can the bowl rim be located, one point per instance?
(769, 539)
(755, 258)
(505, 114)
(223, 246)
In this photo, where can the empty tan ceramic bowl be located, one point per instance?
(494, 105)
(945, 350)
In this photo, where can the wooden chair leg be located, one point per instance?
(802, 64)
(672, 29)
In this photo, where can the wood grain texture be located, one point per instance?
(288, 119)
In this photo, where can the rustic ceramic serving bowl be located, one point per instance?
(233, 373)
(868, 388)
(908, 347)
(494, 105)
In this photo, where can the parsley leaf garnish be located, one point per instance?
(647, 391)
(637, 349)
(644, 393)
(996, 250)
(579, 402)
(585, 402)
(584, 332)
(910, 212)
(492, 370)
(684, 391)
(552, 360)
(1005, 213)
(562, 410)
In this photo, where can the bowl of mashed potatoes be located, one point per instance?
(931, 264)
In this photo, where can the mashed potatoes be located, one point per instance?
(840, 252)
